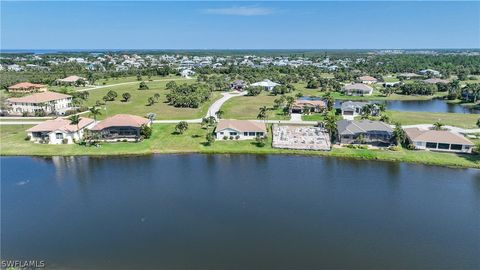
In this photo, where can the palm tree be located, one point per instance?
(95, 112)
(126, 96)
(219, 114)
(437, 126)
(399, 134)
(75, 120)
(262, 114)
(331, 126)
(156, 97)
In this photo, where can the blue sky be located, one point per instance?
(239, 25)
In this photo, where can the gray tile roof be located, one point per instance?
(351, 127)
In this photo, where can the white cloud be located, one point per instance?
(240, 11)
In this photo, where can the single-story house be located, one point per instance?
(244, 129)
(367, 79)
(59, 131)
(408, 75)
(353, 108)
(187, 73)
(435, 81)
(438, 140)
(364, 132)
(26, 87)
(433, 72)
(391, 84)
(49, 102)
(357, 89)
(238, 85)
(266, 84)
(307, 106)
(72, 80)
(121, 127)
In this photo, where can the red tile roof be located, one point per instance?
(26, 85)
(241, 125)
(40, 97)
(61, 124)
(437, 136)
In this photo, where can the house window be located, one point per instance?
(456, 147)
(443, 146)
(259, 133)
(59, 136)
(245, 133)
(431, 145)
(221, 133)
(233, 133)
(251, 134)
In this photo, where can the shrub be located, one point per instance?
(231, 138)
(27, 138)
(146, 131)
(225, 137)
(64, 141)
(394, 148)
(237, 137)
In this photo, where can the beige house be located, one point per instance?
(72, 80)
(49, 102)
(121, 127)
(438, 140)
(240, 129)
(26, 87)
(367, 79)
(59, 131)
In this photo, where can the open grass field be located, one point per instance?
(110, 81)
(247, 107)
(138, 103)
(164, 140)
(452, 119)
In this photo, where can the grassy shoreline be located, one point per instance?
(164, 141)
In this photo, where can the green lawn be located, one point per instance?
(110, 81)
(247, 107)
(138, 103)
(164, 141)
(453, 119)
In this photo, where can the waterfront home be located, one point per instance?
(238, 85)
(367, 79)
(59, 131)
(438, 140)
(26, 87)
(435, 81)
(364, 132)
(357, 89)
(308, 106)
(48, 102)
(239, 129)
(266, 84)
(72, 80)
(121, 127)
(352, 108)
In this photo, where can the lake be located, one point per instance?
(238, 212)
(433, 105)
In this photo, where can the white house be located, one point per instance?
(49, 102)
(357, 89)
(59, 131)
(438, 140)
(266, 84)
(240, 129)
(187, 73)
(433, 72)
(72, 80)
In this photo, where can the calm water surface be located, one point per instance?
(238, 212)
(433, 105)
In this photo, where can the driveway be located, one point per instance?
(296, 117)
(215, 107)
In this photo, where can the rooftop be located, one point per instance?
(40, 97)
(60, 124)
(438, 136)
(241, 125)
(121, 120)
